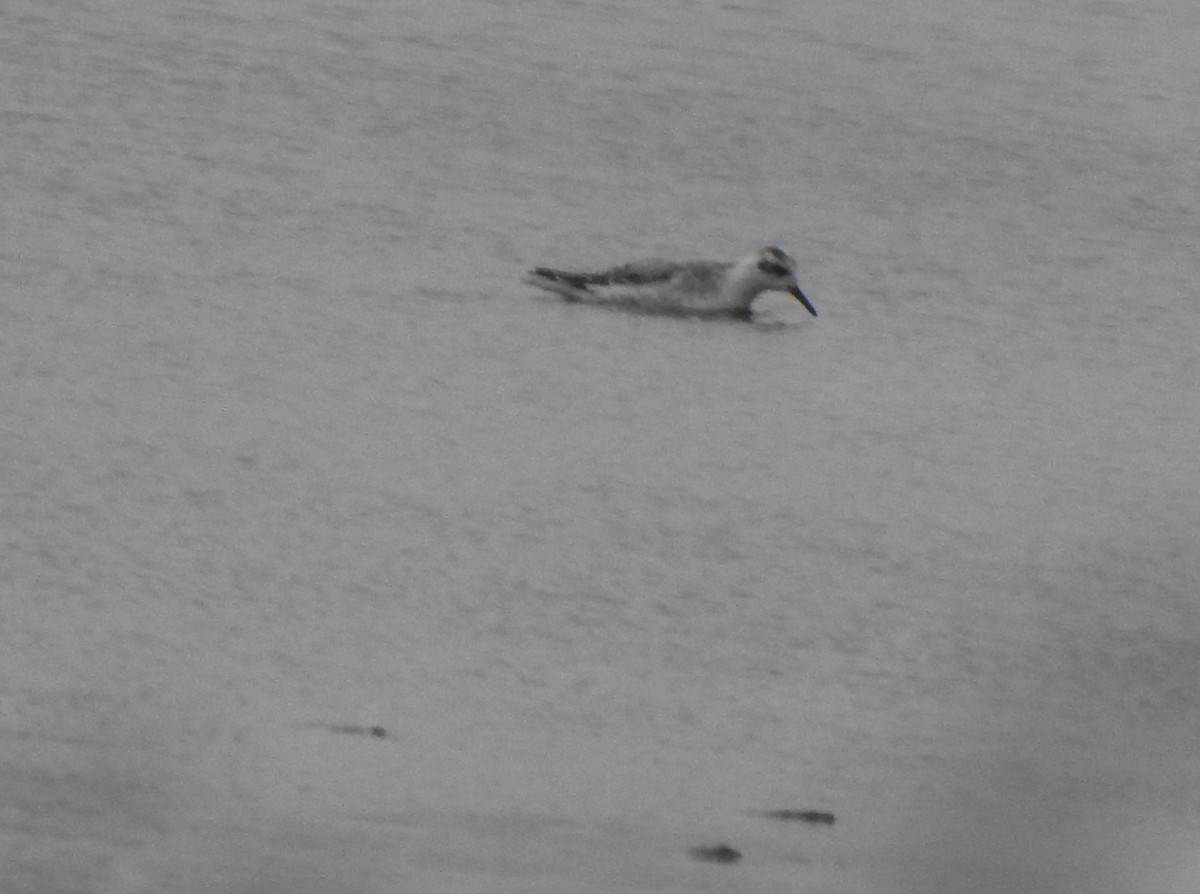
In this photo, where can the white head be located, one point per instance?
(777, 272)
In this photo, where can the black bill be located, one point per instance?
(795, 290)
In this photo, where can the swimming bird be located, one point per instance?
(692, 288)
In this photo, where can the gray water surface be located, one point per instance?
(289, 452)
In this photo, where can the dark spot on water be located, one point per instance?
(716, 853)
(819, 817)
(351, 729)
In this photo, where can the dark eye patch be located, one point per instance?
(772, 269)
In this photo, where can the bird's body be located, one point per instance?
(694, 288)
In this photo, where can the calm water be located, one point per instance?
(289, 452)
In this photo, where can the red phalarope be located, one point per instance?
(699, 288)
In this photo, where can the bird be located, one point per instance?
(688, 288)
